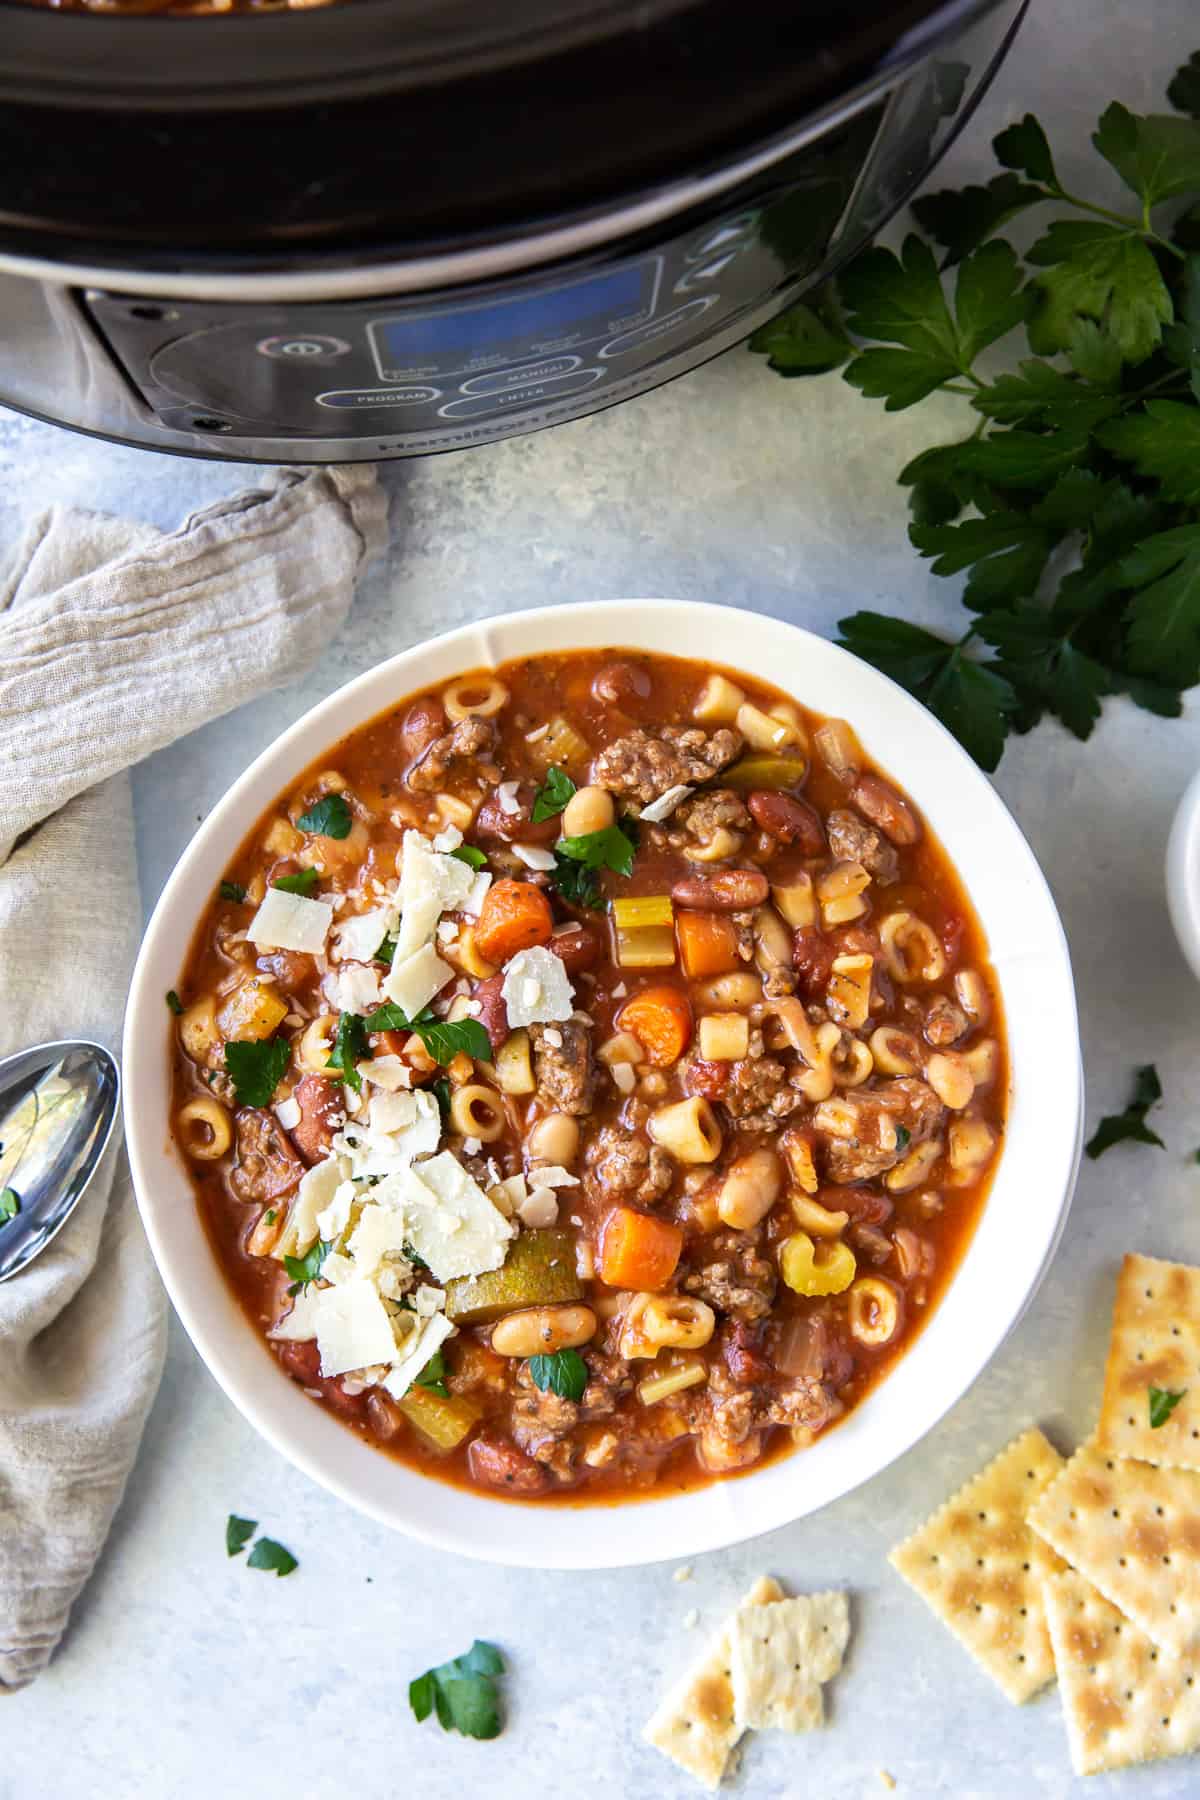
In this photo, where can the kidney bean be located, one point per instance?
(501, 1465)
(351, 1406)
(491, 821)
(729, 890)
(790, 820)
(320, 1102)
(707, 1078)
(579, 948)
(301, 1360)
(617, 683)
(884, 807)
(493, 1013)
(812, 959)
(422, 724)
(292, 969)
(743, 1349)
(864, 1207)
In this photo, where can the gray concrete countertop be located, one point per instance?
(183, 1675)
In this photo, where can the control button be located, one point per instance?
(299, 347)
(546, 370)
(384, 396)
(553, 388)
(661, 327)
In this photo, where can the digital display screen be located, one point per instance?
(584, 310)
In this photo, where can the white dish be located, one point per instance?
(1183, 873)
(1003, 1264)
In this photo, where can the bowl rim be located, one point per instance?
(721, 1513)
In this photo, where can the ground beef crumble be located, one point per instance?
(644, 765)
(737, 1281)
(471, 739)
(563, 1066)
(852, 840)
(620, 1166)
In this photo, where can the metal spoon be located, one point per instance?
(58, 1106)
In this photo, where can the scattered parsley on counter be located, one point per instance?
(306, 1268)
(10, 1205)
(467, 853)
(330, 818)
(1163, 1402)
(174, 1002)
(1130, 1126)
(233, 890)
(1070, 497)
(553, 795)
(256, 1068)
(304, 881)
(238, 1533)
(463, 1692)
(349, 1047)
(272, 1557)
(564, 1373)
(442, 1038)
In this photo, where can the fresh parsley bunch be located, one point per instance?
(1074, 501)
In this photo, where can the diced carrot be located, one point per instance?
(638, 1251)
(661, 1020)
(515, 916)
(707, 943)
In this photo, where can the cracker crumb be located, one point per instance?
(683, 1572)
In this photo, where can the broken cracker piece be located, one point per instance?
(695, 1724)
(1124, 1701)
(1133, 1530)
(1155, 1343)
(779, 1656)
(977, 1565)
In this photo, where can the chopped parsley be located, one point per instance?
(433, 1375)
(442, 1038)
(270, 1215)
(442, 1090)
(304, 1269)
(349, 1047)
(386, 951)
(467, 853)
(330, 818)
(553, 795)
(463, 1693)
(304, 881)
(577, 860)
(272, 1557)
(903, 1137)
(238, 1533)
(174, 1002)
(564, 1373)
(1163, 1402)
(10, 1204)
(1130, 1126)
(256, 1068)
(233, 890)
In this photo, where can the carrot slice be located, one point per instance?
(515, 916)
(661, 1020)
(638, 1251)
(707, 943)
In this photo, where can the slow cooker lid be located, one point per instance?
(388, 125)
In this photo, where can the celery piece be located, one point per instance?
(539, 1270)
(643, 909)
(442, 1422)
(775, 772)
(646, 946)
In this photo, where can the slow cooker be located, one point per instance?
(393, 227)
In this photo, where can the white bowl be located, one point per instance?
(1183, 873)
(1003, 1264)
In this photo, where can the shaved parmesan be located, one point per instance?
(318, 1186)
(665, 805)
(377, 1238)
(338, 1269)
(506, 794)
(473, 904)
(414, 1127)
(413, 982)
(333, 1220)
(389, 1072)
(427, 1300)
(536, 988)
(416, 1351)
(448, 840)
(354, 988)
(552, 1175)
(291, 922)
(351, 1324)
(533, 856)
(430, 884)
(358, 938)
(540, 1209)
(452, 1225)
(288, 1113)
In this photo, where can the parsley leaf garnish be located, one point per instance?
(1163, 1402)
(350, 1046)
(272, 1557)
(238, 1533)
(576, 860)
(174, 1003)
(462, 1693)
(433, 1375)
(329, 817)
(1130, 1126)
(442, 1038)
(304, 881)
(1072, 506)
(386, 951)
(903, 1137)
(553, 795)
(10, 1204)
(256, 1067)
(564, 1373)
(233, 890)
(305, 1269)
(467, 853)
(442, 1090)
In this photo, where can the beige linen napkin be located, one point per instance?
(115, 640)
